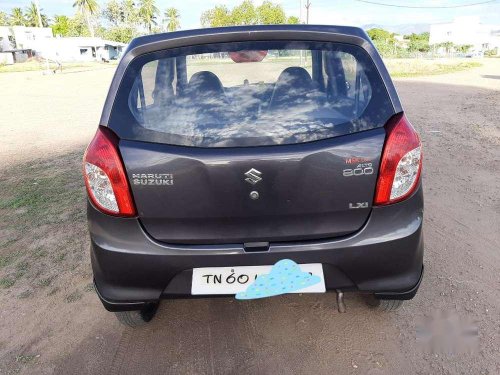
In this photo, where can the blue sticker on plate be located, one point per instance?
(285, 277)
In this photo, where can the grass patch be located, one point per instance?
(45, 282)
(22, 266)
(6, 244)
(73, 297)
(25, 359)
(89, 288)
(59, 257)
(40, 194)
(424, 67)
(6, 260)
(25, 294)
(40, 253)
(53, 291)
(39, 197)
(7, 282)
(21, 269)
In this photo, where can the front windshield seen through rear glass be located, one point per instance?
(253, 94)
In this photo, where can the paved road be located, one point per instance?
(457, 115)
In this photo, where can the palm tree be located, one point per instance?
(172, 17)
(32, 16)
(4, 19)
(129, 12)
(17, 17)
(88, 8)
(148, 12)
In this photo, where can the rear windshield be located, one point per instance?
(250, 94)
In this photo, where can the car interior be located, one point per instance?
(297, 102)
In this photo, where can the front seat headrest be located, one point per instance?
(205, 83)
(293, 85)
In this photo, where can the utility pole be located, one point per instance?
(40, 24)
(308, 5)
(300, 11)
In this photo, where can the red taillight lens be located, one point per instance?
(104, 175)
(401, 162)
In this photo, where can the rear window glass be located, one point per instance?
(250, 94)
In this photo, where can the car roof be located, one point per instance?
(332, 29)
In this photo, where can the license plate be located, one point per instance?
(232, 280)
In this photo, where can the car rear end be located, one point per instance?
(237, 147)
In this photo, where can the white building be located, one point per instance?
(467, 31)
(80, 49)
(401, 41)
(41, 41)
(22, 37)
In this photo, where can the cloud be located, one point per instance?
(284, 277)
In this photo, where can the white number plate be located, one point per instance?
(232, 280)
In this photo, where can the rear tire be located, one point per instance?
(137, 318)
(388, 304)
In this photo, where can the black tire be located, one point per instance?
(388, 304)
(137, 318)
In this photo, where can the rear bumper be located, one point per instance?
(384, 257)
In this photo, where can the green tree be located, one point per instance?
(113, 12)
(130, 13)
(172, 17)
(216, 17)
(123, 34)
(244, 14)
(78, 26)
(380, 35)
(448, 46)
(147, 13)
(17, 17)
(61, 25)
(4, 19)
(418, 42)
(32, 16)
(88, 8)
(384, 41)
(271, 14)
(293, 20)
(463, 48)
(123, 17)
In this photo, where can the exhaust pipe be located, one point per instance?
(340, 301)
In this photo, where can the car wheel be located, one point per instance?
(137, 318)
(385, 304)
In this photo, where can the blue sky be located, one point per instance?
(344, 12)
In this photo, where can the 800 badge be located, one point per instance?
(359, 170)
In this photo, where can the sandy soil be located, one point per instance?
(51, 322)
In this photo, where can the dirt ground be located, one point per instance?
(51, 321)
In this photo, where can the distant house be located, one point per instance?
(17, 43)
(22, 37)
(81, 49)
(467, 31)
(401, 41)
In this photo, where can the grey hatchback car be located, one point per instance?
(223, 151)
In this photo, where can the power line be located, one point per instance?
(426, 7)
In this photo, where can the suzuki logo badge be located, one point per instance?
(253, 176)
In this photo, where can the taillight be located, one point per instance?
(104, 175)
(401, 162)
